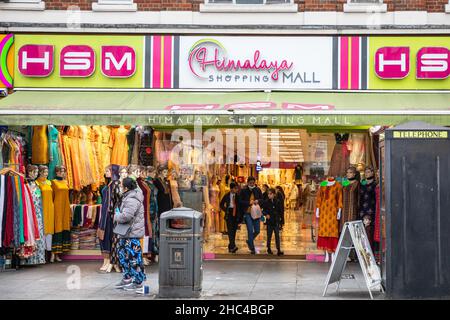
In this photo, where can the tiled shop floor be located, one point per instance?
(222, 279)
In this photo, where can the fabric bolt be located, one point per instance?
(40, 145)
(61, 239)
(329, 201)
(54, 151)
(131, 261)
(350, 202)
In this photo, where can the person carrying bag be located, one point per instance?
(130, 228)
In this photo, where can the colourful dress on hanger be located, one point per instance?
(48, 209)
(61, 238)
(214, 192)
(40, 146)
(39, 255)
(329, 201)
(55, 154)
(87, 155)
(96, 136)
(106, 148)
(119, 141)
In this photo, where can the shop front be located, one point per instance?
(188, 115)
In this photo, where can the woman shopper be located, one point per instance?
(130, 228)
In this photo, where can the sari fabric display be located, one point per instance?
(12, 151)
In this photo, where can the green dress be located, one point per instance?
(54, 152)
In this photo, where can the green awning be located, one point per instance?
(167, 109)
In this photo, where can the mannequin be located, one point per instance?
(134, 171)
(367, 202)
(351, 185)
(164, 196)
(39, 255)
(328, 211)
(309, 197)
(61, 238)
(104, 231)
(48, 208)
(340, 157)
(214, 192)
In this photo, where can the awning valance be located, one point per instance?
(175, 109)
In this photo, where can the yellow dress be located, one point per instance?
(120, 147)
(61, 239)
(97, 145)
(93, 157)
(106, 148)
(40, 145)
(66, 146)
(48, 209)
(72, 137)
(86, 155)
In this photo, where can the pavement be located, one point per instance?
(222, 279)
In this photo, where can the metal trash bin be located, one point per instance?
(180, 253)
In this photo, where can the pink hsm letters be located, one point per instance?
(77, 61)
(394, 63)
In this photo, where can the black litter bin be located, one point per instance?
(417, 163)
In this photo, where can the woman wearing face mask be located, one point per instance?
(130, 228)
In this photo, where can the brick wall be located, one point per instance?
(303, 5)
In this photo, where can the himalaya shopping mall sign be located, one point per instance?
(226, 62)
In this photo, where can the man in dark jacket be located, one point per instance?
(229, 205)
(248, 196)
(273, 212)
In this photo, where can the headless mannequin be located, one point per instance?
(330, 181)
(106, 256)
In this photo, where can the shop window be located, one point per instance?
(368, 6)
(114, 5)
(248, 6)
(22, 5)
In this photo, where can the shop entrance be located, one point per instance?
(304, 158)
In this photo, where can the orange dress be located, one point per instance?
(67, 155)
(40, 145)
(119, 146)
(93, 160)
(329, 201)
